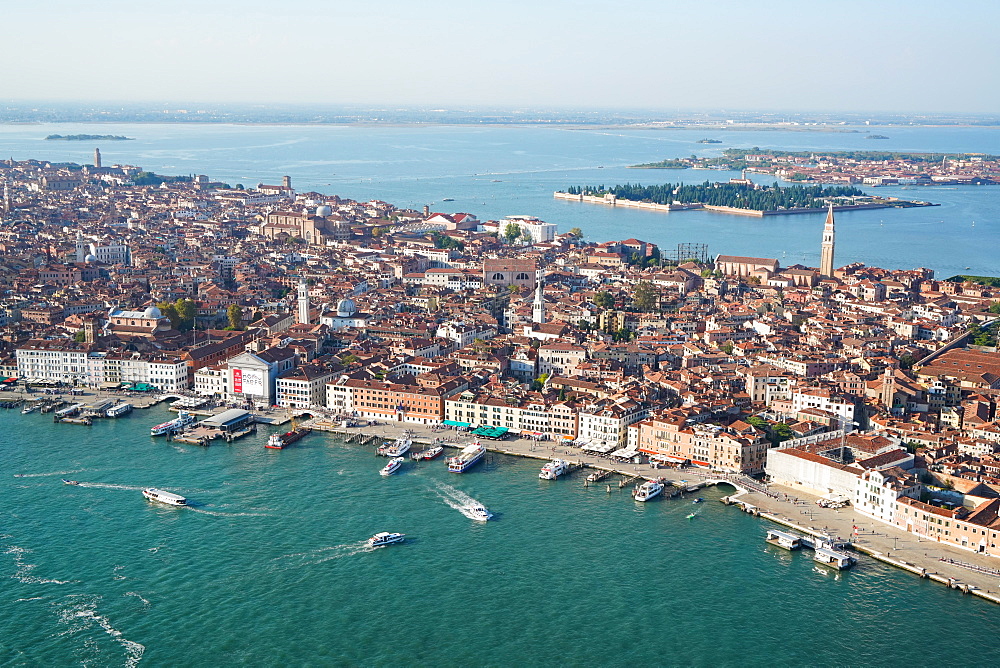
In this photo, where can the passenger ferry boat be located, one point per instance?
(118, 410)
(399, 448)
(279, 441)
(392, 466)
(182, 420)
(469, 455)
(648, 490)
(480, 513)
(159, 495)
(554, 469)
(385, 538)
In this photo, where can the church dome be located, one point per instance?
(323, 210)
(152, 312)
(91, 258)
(346, 308)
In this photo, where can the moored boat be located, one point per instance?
(182, 420)
(432, 452)
(169, 498)
(554, 469)
(399, 448)
(386, 538)
(392, 466)
(118, 410)
(465, 459)
(648, 490)
(279, 441)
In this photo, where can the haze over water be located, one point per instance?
(498, 171)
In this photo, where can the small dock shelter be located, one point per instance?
(229, 421)
(783, 539)
(833, 558)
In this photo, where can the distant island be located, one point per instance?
(736, 197)
(872, 168)
(709, 141)
(876, 137)
(89, 138)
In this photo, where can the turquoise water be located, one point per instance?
(268, 567)
(501, 171)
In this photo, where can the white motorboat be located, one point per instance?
(469, 455)
(29, 408)
(182, 420)
(392, 466)
(161, 496)
(480, 513)
(385, 538)
(648, 490)
(554, 469)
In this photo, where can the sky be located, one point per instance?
(908, 56)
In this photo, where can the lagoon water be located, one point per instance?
(268, 566)
(497, 171)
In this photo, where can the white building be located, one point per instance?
(541, 232)
(303, 387)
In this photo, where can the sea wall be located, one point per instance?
(611, 200)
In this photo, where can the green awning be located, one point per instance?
(453, 423)
(490, 432)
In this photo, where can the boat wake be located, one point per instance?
(82, 615)
(116, 575)
(217, 513)
(456, 498)
(319, 555)
(24, 569)
(103, 485)
(48, 475)
(138, 596)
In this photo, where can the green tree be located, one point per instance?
(511, 232)
(169, 311)
(576, 233)
(727, 347)
(645, 296)
(234, 314)
(995, 307)
(186, 312)
(603, 299)
(80, 336)
(349, 359)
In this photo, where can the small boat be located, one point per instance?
(29, 408)
(698, 500)
(169, 498)
(431, 453)
(480, 513)
(385, 538)
(692, 516)
(71, 482)
(648, 490)
(448, 199)
(554, 469)
(392, 466)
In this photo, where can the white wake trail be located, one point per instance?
(456, 499)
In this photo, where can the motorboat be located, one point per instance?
(480, 513)
(385, 538)
(698, 500)
(182, 420)
(432, 452)
(465, 459)
(71, 482)
(648, 490)
(392, 466)
(554, 469)
(169, 498)
(29, 408)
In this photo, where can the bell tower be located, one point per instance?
(826, 251)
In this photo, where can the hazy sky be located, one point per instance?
(876, 55)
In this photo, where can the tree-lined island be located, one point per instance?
(873, 168)
(739, 196)
(89, 138)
